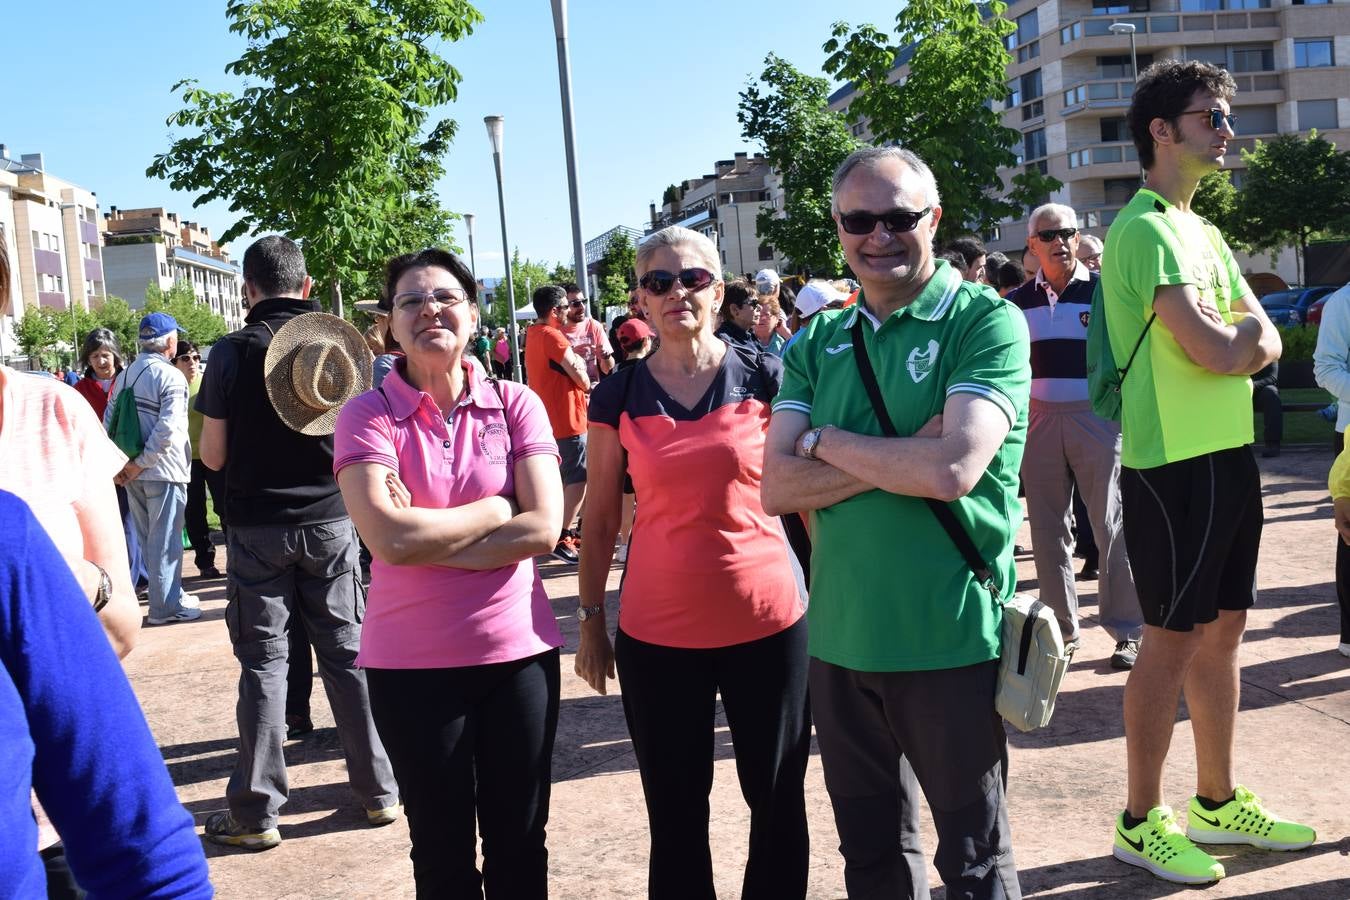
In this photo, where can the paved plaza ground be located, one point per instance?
(1066, 782)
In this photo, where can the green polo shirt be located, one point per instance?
(1171, 408)
(889, 590)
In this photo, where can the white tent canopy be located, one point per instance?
(526, 314)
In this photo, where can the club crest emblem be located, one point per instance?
(494, 443)
(920, 363)
(1083, 317)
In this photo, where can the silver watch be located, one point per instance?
(811, 440)
(586, 612)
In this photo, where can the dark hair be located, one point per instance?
(430, 258)
(954, 257)
(275, 266)
(94, 341)
(4, 274)
(1163, 92)
(1009, 274)
(184, 348)
(738, 292)
(571, 287)
(546, 298)
(970, 248)
(787, 299)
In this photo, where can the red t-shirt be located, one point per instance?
(564, 400)
(707, 566)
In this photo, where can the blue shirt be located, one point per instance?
(71, 729)
(1058, 324)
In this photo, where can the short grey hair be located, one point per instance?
(1092, 242)
(872, 155)
(1064, 211)
(155, 345)
(676, 236)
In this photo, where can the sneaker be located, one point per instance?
(386, 816)
(1089, 572)
(563, 551)
(1071, 647)
(1160, 846)
(1345, 649)
(1126, 653)
(621, 556)
(209, 571)
(221, 828)
(1243, 820)
(186, 614)
(297, 726)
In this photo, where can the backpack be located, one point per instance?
(1104, 379)
(125, 425)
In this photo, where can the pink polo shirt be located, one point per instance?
(434, 617)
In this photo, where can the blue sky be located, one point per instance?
(654, 93)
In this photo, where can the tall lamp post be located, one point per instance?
(1127, 28)
(473, 267)
(569, 144)
(494, 130)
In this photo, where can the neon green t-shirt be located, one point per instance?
(889, 590)
(1171, 408)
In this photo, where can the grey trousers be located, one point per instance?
(1067, 442)
(276, 571)
(872, 727)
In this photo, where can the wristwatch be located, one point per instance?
(586, 612)
(811, 440)
(104, 588)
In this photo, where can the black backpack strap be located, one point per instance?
(941, 511)
(1129, 362)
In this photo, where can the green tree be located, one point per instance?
(1295, 189)
(944, 110)
(117, 316)
(36, 334)
(325, 143)
(786, 113)
(195, 321)
(615, 272)
(1219, 201)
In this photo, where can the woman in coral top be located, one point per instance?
(453, 482)
(712, 599)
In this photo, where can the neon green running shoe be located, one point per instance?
(1160, 846)
(1243, 820)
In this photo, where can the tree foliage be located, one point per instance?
(326, 143)
(1295, 189)
(615, 272)
(786, 113)
(944, 111)
(195, 321)
(1219, 201)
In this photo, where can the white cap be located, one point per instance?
(815, 296)
(766, 278)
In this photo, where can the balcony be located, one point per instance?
(88, 232)
(1097, 93)
(1101, 154)
(47, 262)
(1168, 24)
(52, 299)
(93, 270)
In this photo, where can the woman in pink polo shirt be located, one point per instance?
(453, 483)
(712, 599)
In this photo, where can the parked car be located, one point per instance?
(1314, 314)
(1291, 307)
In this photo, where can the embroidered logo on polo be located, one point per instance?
(494, 442)
(920, 362)
(1083, 317)
(839, 348)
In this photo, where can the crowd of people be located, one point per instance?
(738, 446)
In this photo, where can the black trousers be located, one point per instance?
(1342, 565)
(194, 517)
(670, 701)
(1266, 401)
(469, 742)
(943, 722)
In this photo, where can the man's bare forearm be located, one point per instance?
(801, 485)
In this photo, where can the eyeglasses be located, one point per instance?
(414, 301)
(1048, 235)
(750, 302)
(658, 282)
(1216, 117)
(577, 303)
(194, 357)
(897, 221)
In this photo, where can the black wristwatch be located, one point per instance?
(586, 612)
(104, 588)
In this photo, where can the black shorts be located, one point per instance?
(573, 453)
(1193, 532)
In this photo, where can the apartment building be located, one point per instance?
(152, 246)
(1071, 79)
(723, 206)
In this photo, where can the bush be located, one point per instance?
(1299, 342)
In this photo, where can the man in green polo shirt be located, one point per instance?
(1190, 487)
(904, 642)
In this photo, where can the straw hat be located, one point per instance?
(315, 364)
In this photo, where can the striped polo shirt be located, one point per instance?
(1058, 327)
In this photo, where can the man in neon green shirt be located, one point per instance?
(1190, 487)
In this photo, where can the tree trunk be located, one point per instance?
(1302, 257)
(335, 295)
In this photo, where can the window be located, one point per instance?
(1120, 67)
(1310, 2)
(1118, 7)
(1028, 52)
(1215, 5)
(1253, 58)
(1118, 191)
(1319, 114)
(765, 252)
(1033, 144)
(1257, 119)
(1028, 29)
(1313, 53)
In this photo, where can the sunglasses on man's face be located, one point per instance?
(1050, 235)
(577, 304)
(1216, 117)
(897, 221)
(658, 282)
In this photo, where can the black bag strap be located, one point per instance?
(1129, 362)
(946, 518)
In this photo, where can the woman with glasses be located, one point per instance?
(739, 314)
(453, 482)
(189, 362)
(712, 598)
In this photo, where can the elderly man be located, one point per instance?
(904, 639)
(156, 481)
(1068, 443)
(1090, 251)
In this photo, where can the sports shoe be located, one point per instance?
(221, 828)
(1071, 647)
(1126, 654)
(1243, 820)
(1159, 845)
(186, 614)
(564, 551)
(621, 556)
(386, 816)
(1344, 649)
(208, 571)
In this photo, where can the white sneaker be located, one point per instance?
(186, 614)
(190, 601)
(1345, 649)
(621, 556)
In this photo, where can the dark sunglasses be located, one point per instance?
(1216, 117)
(581, 303)
(897, 221)
(1049, 235)
(659, 281)
(750, 302)
(192, 356)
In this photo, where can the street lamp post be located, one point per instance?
(1127, 28)
(468, 223)
(494, 130)
(569, 144)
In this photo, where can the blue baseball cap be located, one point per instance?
(157, 325)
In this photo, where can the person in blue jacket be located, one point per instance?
(71, 730)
